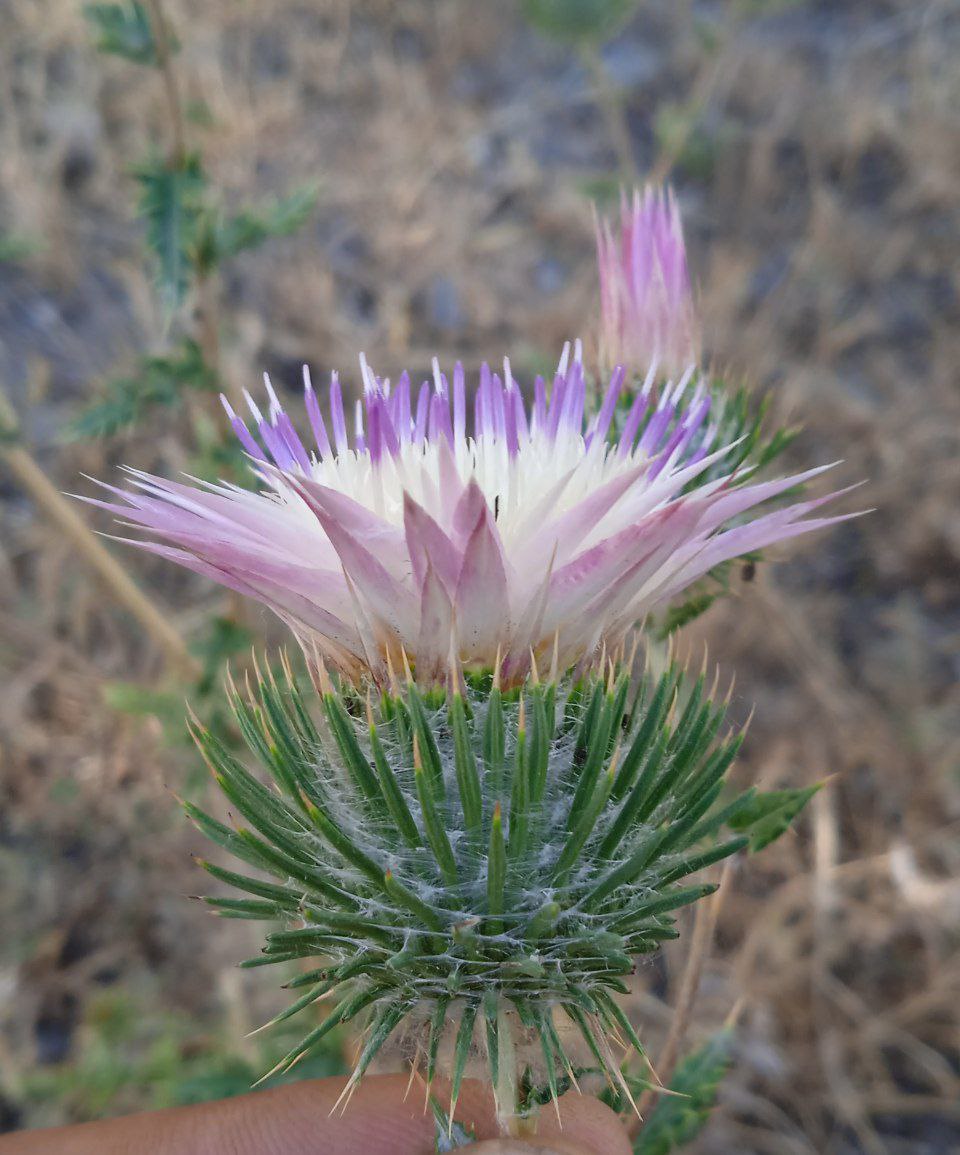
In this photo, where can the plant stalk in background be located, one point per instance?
(188, 235)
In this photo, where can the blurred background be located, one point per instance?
(191, 194)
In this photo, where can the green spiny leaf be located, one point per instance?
(686, 817)
(770, 814)
(317, 991)
(496, 873)
(630, 870)
(170, 202)
(542, 725)
(709, 826)
(468, 780)
(283, 896)
(660, 904)
(426, 741)
(701, 861)
(580, 22)
(160, 382)
(494, 743)
(437, 1022)
(345, 1010)
(653, 717)
(636, 804)
(226, 236)
(677, 1119)
(345, 846)
(519, 798)
(461, 1050)
(125, 30)
(434, 828)
(341, 726)
(596, 752)
(380, 1030)
(228, 839)
(393, 795)
(405, 896)
(584, 826)
(246, 908)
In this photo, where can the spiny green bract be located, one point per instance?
(484, 857)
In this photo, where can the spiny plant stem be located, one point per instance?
(208, 337)
(161, 38)
(613, 109)
(207, 284)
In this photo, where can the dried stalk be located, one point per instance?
(208, 287)
(705, 921)
(614, 112)
(66, 517)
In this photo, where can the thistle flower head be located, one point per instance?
(646, 305)
(539, 531)
(478, 859)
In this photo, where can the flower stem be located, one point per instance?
(614, 112)
(161, 39)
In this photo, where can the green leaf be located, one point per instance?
(171, 203)
(198, 112)
(125, 30)
(435, 828)
(582, 22)
(468, 780)
(496, 872)
(145, 701)
(677, 1119)
(437, 1023)
(694, 862)
(160, 382)
(381, 1028)
(222, 640)
(494, 741)
(680, 136)
(768, 815)
(346, 1009)
(354, 759)
(461, 1051)
(679, 616)
(222, 237)
(406, 898)
(17, 247)
(392, 794)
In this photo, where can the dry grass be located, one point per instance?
(825, 234)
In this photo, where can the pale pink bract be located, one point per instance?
(536, 531)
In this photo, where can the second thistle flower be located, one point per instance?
(647, 314)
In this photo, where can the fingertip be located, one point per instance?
(585, 1125)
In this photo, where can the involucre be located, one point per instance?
(474, 859)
